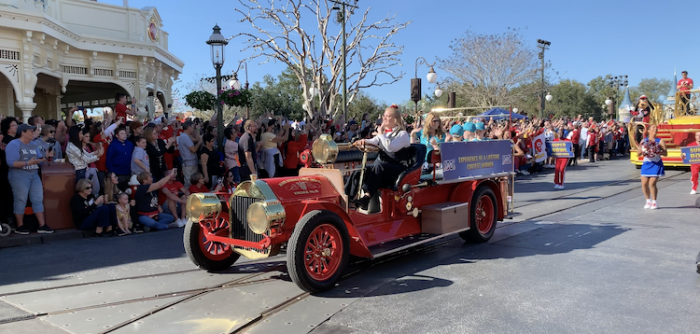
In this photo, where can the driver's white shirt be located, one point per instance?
(392, 141)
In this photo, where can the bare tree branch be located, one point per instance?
(315, 56)
(486, 68)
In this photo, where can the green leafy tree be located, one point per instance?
(571, 98)
(653, 88)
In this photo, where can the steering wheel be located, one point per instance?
(369, 147)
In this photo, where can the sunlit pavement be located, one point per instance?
(584, 259)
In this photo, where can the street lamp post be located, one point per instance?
(416, 82)
(543, 45)
(615, 82)
(342, 19)
(218, 43)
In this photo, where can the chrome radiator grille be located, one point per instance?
(239, 225)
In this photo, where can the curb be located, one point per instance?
(14, 239)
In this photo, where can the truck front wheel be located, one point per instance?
(210, 256)
(319, 250)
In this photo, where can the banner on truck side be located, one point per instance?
(476, 158)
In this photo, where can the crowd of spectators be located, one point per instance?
(132, 176)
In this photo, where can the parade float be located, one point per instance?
(677, 122)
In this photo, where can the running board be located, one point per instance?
(398, 245)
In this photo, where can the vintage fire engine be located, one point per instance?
(311, 215)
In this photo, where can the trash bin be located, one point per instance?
(58, 179)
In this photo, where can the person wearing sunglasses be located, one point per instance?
(47, 142)
(91, 213)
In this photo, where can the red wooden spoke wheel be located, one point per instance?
(318, 251)
(211, 256)
(215, 251)
(323, 252)
(484, 214)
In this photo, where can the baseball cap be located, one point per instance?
(352, 122)
(469, 126)
(24, 127)
(480, 126)
(457, 130)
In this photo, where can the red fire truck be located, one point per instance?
(311, 215)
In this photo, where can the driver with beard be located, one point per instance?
(393, 142)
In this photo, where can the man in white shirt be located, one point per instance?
(584, 138)
(392, 139)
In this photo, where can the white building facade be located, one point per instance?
(56, 54)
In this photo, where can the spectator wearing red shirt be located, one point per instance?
(592, 143)
(121, 110)
(575, 137)
(685, 84)
(171, 202)
(695, 168)
(293, 148)
(197, 184)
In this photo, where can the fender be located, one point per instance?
(465, 191)
(357, 246)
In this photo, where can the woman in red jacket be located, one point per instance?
(592, 143)
(560, 163)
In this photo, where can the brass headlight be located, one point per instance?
(257, 218)
(324, 150)
(201, 205)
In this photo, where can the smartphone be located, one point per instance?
(175, 171)
(81, 108)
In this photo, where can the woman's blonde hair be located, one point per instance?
(439, 132)
(82, 185)
(397, 116)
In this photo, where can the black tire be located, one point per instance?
(208, 262)
(474, 234)
(296, 251)
(638, 166)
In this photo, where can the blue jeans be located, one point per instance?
(26, 185)
(162, 224)
(166, 209)
(99, 218)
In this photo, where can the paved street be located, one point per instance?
(586, 259)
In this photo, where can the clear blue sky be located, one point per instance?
(639, 38)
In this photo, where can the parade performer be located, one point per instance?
(695, 168)
(393, 141)
(560, 163)
(651, 148)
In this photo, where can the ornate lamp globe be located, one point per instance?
(608, 102)
(234, 83)
(438, 91)
(432, 76)
(217, 43)
(548, 97)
